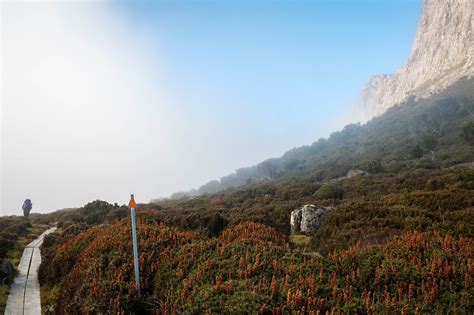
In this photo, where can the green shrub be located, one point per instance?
(372, 167)
(468, 133)
(329, 192)
(216, 224)
(416, 151)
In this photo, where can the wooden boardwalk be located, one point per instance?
(24, 297)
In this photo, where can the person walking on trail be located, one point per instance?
(27, 206)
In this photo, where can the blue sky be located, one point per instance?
(288, 68)
(156, 97)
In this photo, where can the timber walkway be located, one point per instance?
(24, 297)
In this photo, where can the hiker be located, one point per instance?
(27, 206)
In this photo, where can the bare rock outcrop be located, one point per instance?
(308, 218)
(295, 220)
(355, 172)
(442, 53)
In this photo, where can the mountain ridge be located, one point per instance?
(386, 142)
(444, 38)
(442, 53)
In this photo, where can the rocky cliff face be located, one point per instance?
(442, 53)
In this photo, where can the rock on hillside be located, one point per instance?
(442, 53)
(308, 218)
(355, 172)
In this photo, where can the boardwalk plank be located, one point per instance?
(24, 297)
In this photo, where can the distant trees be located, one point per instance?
(179, 195)
(290, 165)
(116, 213)
(372, 167)
(398, 140)
(468, 133)
(426, 143)
(96, 212)
(232, 180)
(429, 141)
(211, 187)
(268, 169)
(416, 151)
(93, 213)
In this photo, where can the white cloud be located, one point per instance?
(85, 116)
(79, 95)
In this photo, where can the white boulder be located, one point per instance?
(308, 218)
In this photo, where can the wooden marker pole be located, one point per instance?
(132, 206)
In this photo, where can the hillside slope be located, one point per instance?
(251, 268)
(398, 240)
(418, 133)
(442, 54)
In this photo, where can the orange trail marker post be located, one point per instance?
(132, 206)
